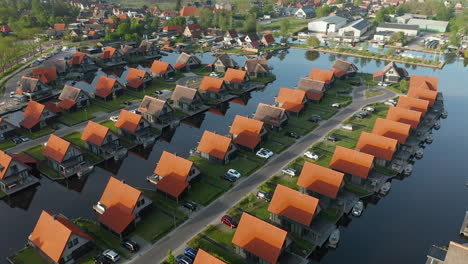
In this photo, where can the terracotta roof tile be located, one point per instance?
(392, 129)
(51, 234)
(427, 81)
(320, 179)
(291, 99)
(352, 162)
(59, 27)
(341, 67)
(247, 130)
(204, 257)
(234, 75)
(211, 84)
(46, 75)
(108, 53)
(376, 145)
(174, 171)
(214, 144)
(415, 104)
(160, 67)
(77, 58)
(104, 86)
(128, 121)
(94, 133)
(184, 93)
(423, 93)
(152, 106)
(136, 74)
(259, 238)
(403, 115)
(269, 113)
(56, 148)
(293, 204)
(66, 104)
(321, 75)
(32, 114)
(5, 161)
(189, 11)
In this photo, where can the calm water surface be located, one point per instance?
(424, 209)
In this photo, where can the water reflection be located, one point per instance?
(23, 199)
(74, 183)
(195, 121)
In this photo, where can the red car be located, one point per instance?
(229, 221)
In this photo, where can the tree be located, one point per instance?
(313, 42)
(323, 11)
(250, 24)
(380, 16)
(284, 27)
(390, 52)
(170, 257)
(401, 10)
(357, 2)
(443, 13)
(178, 5)
(206, 16)
(398, 37)
(404, 85)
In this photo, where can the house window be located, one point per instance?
(75, 241)
(142, 202)
(70, 244)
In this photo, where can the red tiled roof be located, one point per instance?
(32, 114)
(415, 104)
(189, 11)
(128, 121)
(352, 162)
(108, 53)
(392, 129)
(159, 67)
(56, 148)
(174, 171)
(59, 27)
(211, 84)
(376, 145)
(53, 108)
(104, 86)
(204, 257)
(66, 103)
(320, 179)
(247, 130)
(46, 75)
(94, 133)
(77, 58)
(234, 75)
(291, 99)
(403, 115)
(5, 161)
(214, 144)
(427, 81)
(423, 93)
(314, 96)
(179, 66)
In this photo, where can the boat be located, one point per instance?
(357, 208)
(429, 138)
(408, 169)
(444, 114)
(334, 238)
(385, 188)
(437, 125)
(419, 153)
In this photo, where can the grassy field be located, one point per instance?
(6, 144)
(295, 25)
(28, 255)
(155, 225)
(37, 134)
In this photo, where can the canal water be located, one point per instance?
(423, 209)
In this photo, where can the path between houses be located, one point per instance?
(211, 214)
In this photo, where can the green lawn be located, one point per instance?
(199, 242)
(28, 255)
(6, 144)
(37, 134)
(155, 225)
(295, 25)
(36, 152)
(203, 193)
(251, 204)
(368, 79)
(203, 70)
(221, 235)
(331, 214)
(73, 118)
(75, 138)
(264, 80)
(109, 124)
(385, 171)
(301, 246)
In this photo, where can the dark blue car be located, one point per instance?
(190, 252)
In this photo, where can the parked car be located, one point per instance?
(264, 196)
(331, 138)
(101, 259)
(289, 171)
(190, 205)
(234, 173)
(360, 115)
(293, 134)
(24, 138)
(311, 155)
(348, 127)
(336, 105)
(182, 259)
(316, 118)
(368, 109)
(355, 83)
(111, 255)
(12, 94)
(158, 92)
(190, 252)
(229, 221)
(113, 118)
(131, 245)
(127, 103)
(214, 74)
(264, 153)
(390, 103)
(17, 140)
(228, 177)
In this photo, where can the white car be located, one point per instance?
(111, 255)
(368, 109)
(348, 127)
(264, 153)
(311, 155)
(289, 171)
(234, 173)
(113, 118)
(380, 84)
(390, 103)
(133, 111)
(214, 74)
(336, 105)
(12, 94)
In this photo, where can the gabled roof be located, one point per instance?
(108, 53)
(234, 75)
(51, 234)
(321, 75)
(5, 161)
(77, 58)
(456, 253)
(211, 84)
(247, 130)
(59, 27)
(46, 75)
(432, 83)
(174, 171)
(69, 92)
(341, 67)
(376, 145)
(151, 105)
(204, 257)
(320, 179)
(95, 133)
(269, 38)
(269, 113)
(226, 60)
(415, 104)
(160, 67)
(392, 129)
(189, 11)
(120, 200)
(423, 92)
(184, 93)
(32, 114)
(256, 65)
(293, 204)
(128, 121)
(136, 74)
(214, 144)
(259, 238)
(184, 58)
(56, 148)
(404, 115)
(104, 86)
(291, 99)
(352, 161)
(27, 84)
(392, 65)
(314, 89)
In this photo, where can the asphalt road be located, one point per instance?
(210, 214)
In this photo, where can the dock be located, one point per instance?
(464, 227)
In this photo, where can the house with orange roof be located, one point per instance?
(32, 88)
(36, 116)
(149, 50)
(410, 103)
(58, 239)
(204, 257)
(108, 88)
(187, 62)
(314, 89)
(156, 110)
(72, 98)
(216, 148)
(344, 69)
(137, 79)
(62, 156)
(428, 82)
(6, 128)
(274, 118)
(392, 129)
(236, 79)
(81, 62)
(173, 174)
(405, 116)
(291, 100)
(100, 140)
(121, 206)
(382, 148)
(46, 75)
(349, 161)
(15, 174)
(247, 132)
(424, 93)
(111, 55)
(133, 126)
(186, 99)
(259, 241)
(187, 11)
(294, 212)
(60, 27)
(162, 69)
(320, 182)
(212, 88)
(328, 77)
(390, 73)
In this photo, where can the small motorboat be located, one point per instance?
(429, 138)
(444, 114)
(358, 208)
(419, 153)
(385, 188)
(334, 238)
(437, 125)
(408, 169)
